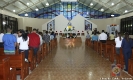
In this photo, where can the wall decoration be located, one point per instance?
(88, 25)
(51, 26)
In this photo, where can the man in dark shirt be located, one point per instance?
(46, 39)
(34, 41)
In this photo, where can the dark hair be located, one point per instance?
(8, 29)
(46, 32)
(102, 30)
(119, 34)
(95, 33)
(52, 33)
(34, 29)
(112, 33)
(127, 36)
(24, 35)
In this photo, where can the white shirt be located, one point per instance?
(1, 36)
(103, 36)
(118, 42)
(23, 45)
(41, 41)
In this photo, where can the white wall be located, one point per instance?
(102, 23)
(61, 23)
(32, 22)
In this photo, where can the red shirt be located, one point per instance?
(34, 40)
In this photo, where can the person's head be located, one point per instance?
(9, 30)
(94, 33)
(46, 32)
(1, 31)
(127, 36)
(52, 33)
(102, 31)
(34, 30)
(119, 35)
(23, 35)
(112, 33)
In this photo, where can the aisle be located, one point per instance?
(72, 63)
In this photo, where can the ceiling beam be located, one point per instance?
(26, 5)
(10, 3)
(42, 3)
(32, 6)
(94, 5)
(33, 3)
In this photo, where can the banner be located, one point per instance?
(51, 26)
(88, 25)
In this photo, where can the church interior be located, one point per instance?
(76, 40)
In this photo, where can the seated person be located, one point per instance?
(112, 36)
(94, 37)
(87, 36)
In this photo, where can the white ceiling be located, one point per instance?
(20, 6)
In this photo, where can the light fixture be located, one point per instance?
(126, 11)
(112, 4)
(91, 4)
(28, 3)
(102, 9)
(14, 10)
(47, 4)
(26, 14)
(36, 9)
(112, 15)
(4, 22)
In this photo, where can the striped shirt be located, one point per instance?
(46, 38)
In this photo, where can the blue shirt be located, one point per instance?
(126, 44)
(9, 42)
(94, 38)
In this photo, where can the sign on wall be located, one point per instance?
(88, 25)
(51, 25)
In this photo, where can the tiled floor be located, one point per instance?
(75, 62)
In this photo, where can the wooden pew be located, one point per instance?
(130, 64)
(120, 58)
(32, 60)
(86, 41)
(39, 58)
(95, 45)
(18, 61)
(98, 47)
(44, 49)
(108, 48)
(113, 53)
(4, 69)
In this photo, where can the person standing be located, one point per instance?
(1, 36)
(87, 36)
(34, 41)
(127, 49)
(9, 41)
(118, 42)
(46, 39)
(22, 43)
(103, 37)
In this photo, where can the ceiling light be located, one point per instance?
(91, 4)
(112, 4)
(28, 3)
(36, 9)
(26, 14)
(126, 11)
(102, 9)
(112, 15)
(14, 11)
(47, 4)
